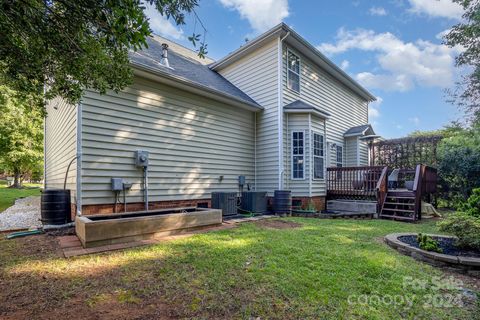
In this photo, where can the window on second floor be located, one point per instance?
(293, 71)
(298, 155)
(318, 156)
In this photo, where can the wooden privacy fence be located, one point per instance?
(356, 183)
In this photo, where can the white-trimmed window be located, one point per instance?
(318, 156)
(339, 156)
(298, 156)
(293, 71)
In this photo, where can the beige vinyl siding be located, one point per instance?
(321, 90)
(363, 149)
(256, 74)
(297, 122)
(60, 144)
(319, 186)
(192, 142)
(351, 151)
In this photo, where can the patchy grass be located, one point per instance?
(9, 195)
(310, 271)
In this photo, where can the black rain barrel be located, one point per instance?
(282, 202)
(56, 207)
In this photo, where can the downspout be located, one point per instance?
(79, 159)
(280, 111)
(45, 144)
(45, 152)
(310, 158)
(255, 151)
(289, 165)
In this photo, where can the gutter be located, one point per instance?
(188, 85)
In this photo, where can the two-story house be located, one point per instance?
(275, 110)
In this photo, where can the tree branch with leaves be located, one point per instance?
(68, 45)
(467, 35)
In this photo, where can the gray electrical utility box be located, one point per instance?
(117, 184)
(141, 158)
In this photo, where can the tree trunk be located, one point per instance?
(17, 182)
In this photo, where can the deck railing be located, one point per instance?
(371, 183)
(356, 183)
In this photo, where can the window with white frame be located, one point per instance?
(298, 158)
(318, 156)
(293, 71)
(339, 157)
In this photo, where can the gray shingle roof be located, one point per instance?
(360, 130)
(300, 105)
(187, 68)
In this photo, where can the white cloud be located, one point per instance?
(373, 109)
(404, 64)
(261, 14)
(345, 64)
(377, 11)
(437, 8)
(161, 25)
(414, 120)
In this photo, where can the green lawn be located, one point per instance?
(8, 195)
(247, 272)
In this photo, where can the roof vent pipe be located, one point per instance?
(164, 60)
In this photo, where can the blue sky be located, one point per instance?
(392, 47)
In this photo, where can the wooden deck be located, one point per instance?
(371, 183)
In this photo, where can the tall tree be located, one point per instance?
(69, 45)
(467, 35)
(21, 134)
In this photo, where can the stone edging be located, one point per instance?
(470, 265)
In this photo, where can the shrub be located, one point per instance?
(428, 243)
(472, 205)
(465, 226)
(459, 164)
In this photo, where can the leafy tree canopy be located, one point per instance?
(74, 44)
(21, 134)
(467, 35)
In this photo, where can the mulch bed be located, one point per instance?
(447, 245)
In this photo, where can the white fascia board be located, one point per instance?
(308, 111)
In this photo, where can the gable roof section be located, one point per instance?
(363, 130)
(305, 48)
(299, 106)
(188, 69)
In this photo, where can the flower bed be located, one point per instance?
(464, 261)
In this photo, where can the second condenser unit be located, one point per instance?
(254, 201)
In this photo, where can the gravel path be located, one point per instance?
(24, 214)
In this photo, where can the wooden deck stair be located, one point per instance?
(399, 205)
(370, 183)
